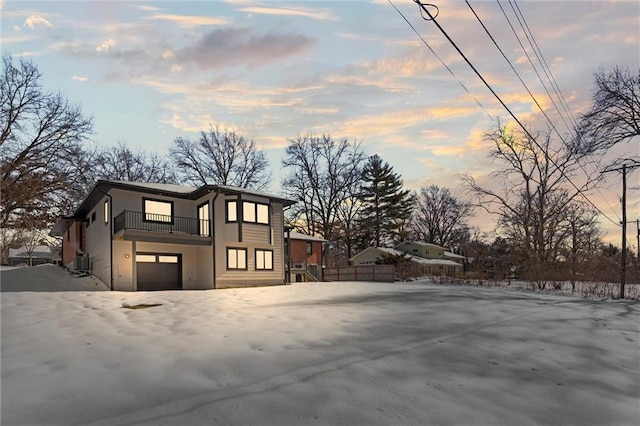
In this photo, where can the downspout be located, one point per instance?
(212, 232)
(288, 229)
(110, 235)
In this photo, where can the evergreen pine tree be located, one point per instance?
(386, 206)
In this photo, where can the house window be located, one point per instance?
(232, 211)
(264, 260)
(106, 212)
(68, 234)
(167, 259)
(93, 217)
(248, 212)
(309, 247)
(262, 213)
(157, 211)
(236, 259)
(146, 258)
(255, 212)
(203, 219)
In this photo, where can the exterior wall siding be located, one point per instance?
(254, 236)
(98, 239)
(73, 244)
(123, 266)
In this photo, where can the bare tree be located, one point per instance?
(439, 218)
(534, 197)
(614, 116)
(221, 158)
(41, 147)
(121, 163)
(323, 174)
(583, 239)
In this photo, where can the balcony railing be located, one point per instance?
(160, 223)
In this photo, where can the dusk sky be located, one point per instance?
(149, 72)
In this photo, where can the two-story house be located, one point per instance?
(304, 256)
(147, 236)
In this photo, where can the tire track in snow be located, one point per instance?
(161, 413)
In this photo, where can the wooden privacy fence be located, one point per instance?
(384, 273)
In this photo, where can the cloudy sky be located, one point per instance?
(149, 72)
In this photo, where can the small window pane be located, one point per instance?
(263, 213)
(268, 260)
(249, 212)
(242, 259)
(106, 211)
(232, 259)
(259, 259)
(147, 258)
(232, 211)
(168, 259)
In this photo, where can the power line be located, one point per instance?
(515, 33)
(579, 191)
(531, 94)
(441, 61)
(512, 68)
(552, 80)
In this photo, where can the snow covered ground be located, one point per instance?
(319, 354)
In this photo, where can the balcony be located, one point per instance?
(133, 225)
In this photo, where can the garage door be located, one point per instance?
(157, 271)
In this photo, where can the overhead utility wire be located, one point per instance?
(532, 96)
(441, 61)
(534, 67)
(554, 83)
(513, 68)
(552, 80)
(432, 18)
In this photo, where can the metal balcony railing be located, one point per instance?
(161, 223)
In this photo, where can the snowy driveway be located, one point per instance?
(319, 354)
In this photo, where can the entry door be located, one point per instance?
(159, 271)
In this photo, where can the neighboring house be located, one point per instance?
(147, 236)
(426, 259)
(34, 255)
(305, 256)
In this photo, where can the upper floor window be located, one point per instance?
(255, 212)
(309, 247)
(106, 212)
(232, 211)
(203, 219)
(157, 211)
(251, 212)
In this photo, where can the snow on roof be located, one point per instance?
(456, 256)
(298, 236)
(416, 259)
(251, 192)
(36, 251)
(183, 189)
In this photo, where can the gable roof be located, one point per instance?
(412, 258)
